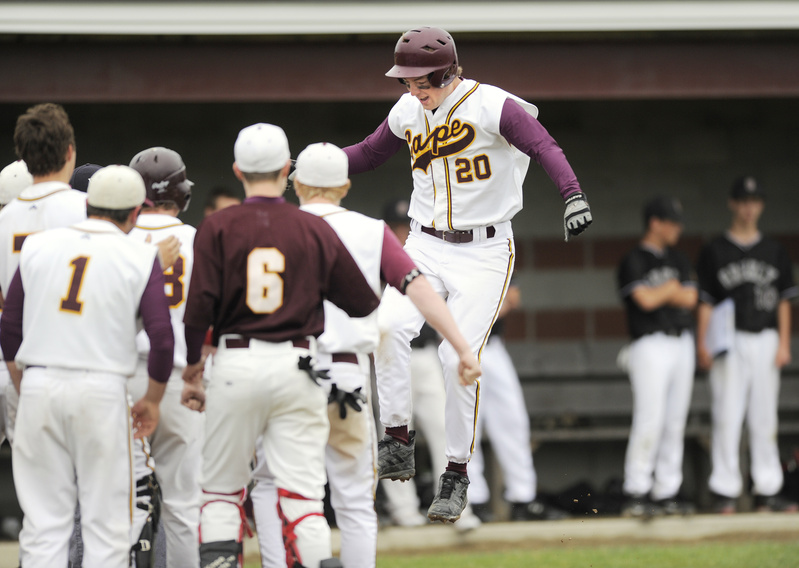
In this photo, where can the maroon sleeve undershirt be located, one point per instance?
(11, 321)
(195, 337)
(154, 310)
(522, 130)
(374, 150)
(395, 263)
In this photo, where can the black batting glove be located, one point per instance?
(344, 399)
(306, 363)
(577, 216)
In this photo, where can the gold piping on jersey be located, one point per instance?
(131, 483)
(476, 409)
(29, 199)
(432, 179)
(446, 163)
(178, 224)
(502, 298)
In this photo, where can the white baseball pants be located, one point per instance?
(259, 391)
(503, 415)
(473, 278)
(428, 392)
(352, 474)
(661, 371)
(176, 447)
(745, 383)
(72, 444)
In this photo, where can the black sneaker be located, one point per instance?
(450, 501)
(677, 507)
(536, 510)
(775, 504)
(723, 505)
(640, 507)
(396, 460)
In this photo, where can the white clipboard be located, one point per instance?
(721, 328)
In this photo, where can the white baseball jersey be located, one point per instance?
(176, 277)
(41, 206)
(363, 237)
(462, 192)
(67, 300)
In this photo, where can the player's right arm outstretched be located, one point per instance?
(437, 314)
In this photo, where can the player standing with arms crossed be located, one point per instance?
(77, 296)
(659, 291)
(176, 444)
(261, 272)
(756, 272)
(470, 146)
(321, 183)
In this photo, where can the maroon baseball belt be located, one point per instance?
(345, 358)
(457, 236)
(244, 343)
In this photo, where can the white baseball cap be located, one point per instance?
(322, 165)
(116, 187)
(261, 148)
(13, 179)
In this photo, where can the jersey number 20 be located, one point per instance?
(264, 283)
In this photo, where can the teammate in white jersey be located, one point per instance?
(321, 183)
(45, 141)
(470, 145)
(176, 444)
(70, 323)
(13, 179)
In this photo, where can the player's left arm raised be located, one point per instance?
(527, 134)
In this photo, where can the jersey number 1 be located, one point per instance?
(70, 302)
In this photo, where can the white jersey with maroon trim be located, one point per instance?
(73, 278)
(459, 158)
(363, 237)
(39, 207)
(176, 277)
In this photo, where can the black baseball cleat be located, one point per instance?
(396, 460)
(724, 505)
(775, 504)
(676, 506)
(641, 507)
(450, 501)
(536, 510)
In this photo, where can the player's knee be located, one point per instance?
(222, 517)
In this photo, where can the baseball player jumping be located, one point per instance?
(321, 183)
(756, 272)
(176, 444)
(261, 272)
(78, 294)
(470, 145)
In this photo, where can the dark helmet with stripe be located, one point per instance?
(164, 175)
(426, 52)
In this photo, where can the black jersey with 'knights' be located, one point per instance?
(757, 277)
(644, 266)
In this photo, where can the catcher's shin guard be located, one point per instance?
(148, 498)
(223, 523)
(293, 509)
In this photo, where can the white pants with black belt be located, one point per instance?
(662, 376)
(473, 279)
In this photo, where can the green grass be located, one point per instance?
(733, 554)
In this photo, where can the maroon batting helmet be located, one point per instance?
(427, 52)
(164, 176)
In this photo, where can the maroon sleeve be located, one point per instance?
(195, 337)
(374, 150)
(395, 264)
(204, 292)
(522, 130)
(154, 309)
(11, 321)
